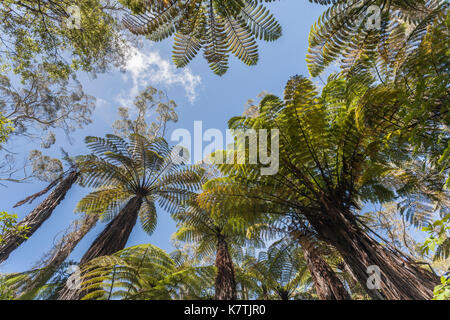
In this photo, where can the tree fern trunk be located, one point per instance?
(400, 277)
(284, 295)
(112, 239)
(38, 216)
(61, 253)
(225, 283)
(327, 284)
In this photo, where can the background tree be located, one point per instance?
(39, 58)
(148, 101)
(215, 235)
(36, 33)
(36, 109)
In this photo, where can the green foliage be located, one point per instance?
(438, 240)
(6, 292)
(5, 128)
(33, 32)
(8, 225)
(119, 169)
(280, 270)
(219, 27)
(143, 272)
(404, 66)
(204, 229)
(341, 32)
(442, 291)
(15, 285)
(323, 156)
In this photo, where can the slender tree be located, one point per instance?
(41, 213)
(216, 235)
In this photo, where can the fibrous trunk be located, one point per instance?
(112, 239)
(399, 277)
(327, 284)
(225, 283)
(79, 229)
(38, 216)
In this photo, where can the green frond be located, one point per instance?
(148, 216)
(217, 27)
(123, 168)
(140, 273)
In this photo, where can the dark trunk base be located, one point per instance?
(225, 284)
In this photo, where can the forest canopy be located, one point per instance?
(356, 209)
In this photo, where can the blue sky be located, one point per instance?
(200, 95)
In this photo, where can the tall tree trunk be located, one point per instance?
(61, 252)
(400, 277)
(38, 216)
(112, 239)
(225, 284)
(327, 284)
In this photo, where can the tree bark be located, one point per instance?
(112, 239)
(327, 284)
(400, 277)
(64, 249)
(225, 283)
(38, 216)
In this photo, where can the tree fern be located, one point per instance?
(142, 272)
(219, 27)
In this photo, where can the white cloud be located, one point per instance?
(149, 68)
